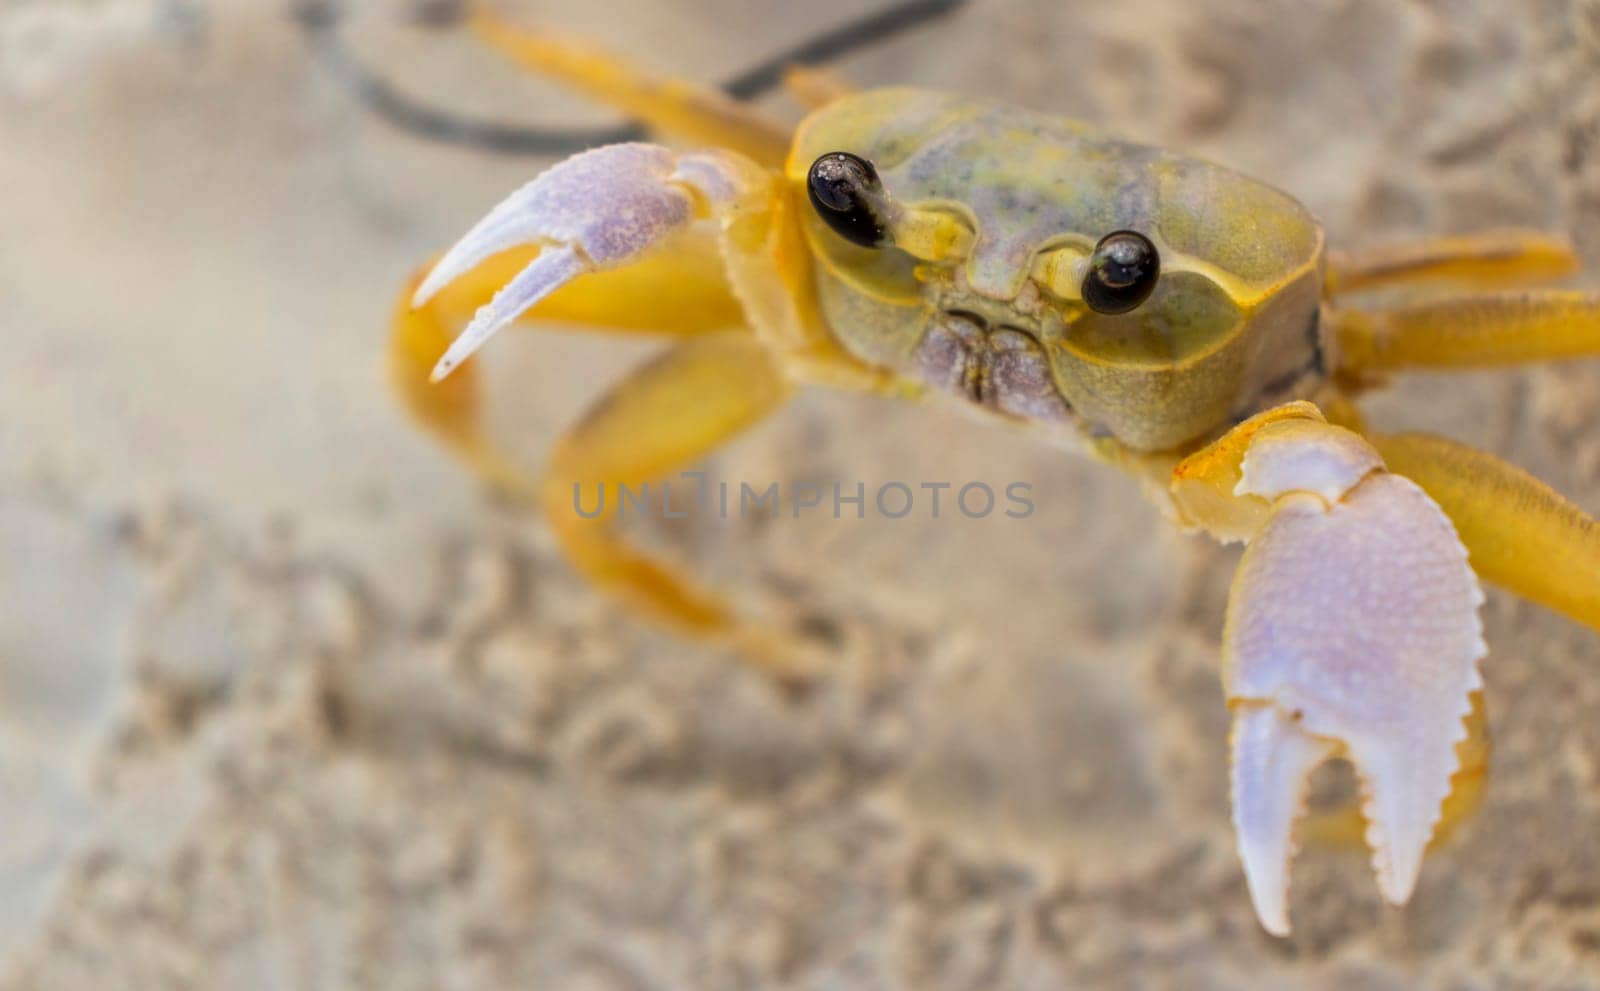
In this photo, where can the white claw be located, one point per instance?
(547, 273)
(593, 211)
(1406, 779)
(1353, 623)
(508, 225)
(1272, 758)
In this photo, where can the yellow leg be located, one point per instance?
(1519, 532)
(676, 409)
(1472, 331)
(449, 409)
(666, 415)
(814, 88)
(1494, 258)
(689, 111)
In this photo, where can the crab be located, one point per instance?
(1163, 314)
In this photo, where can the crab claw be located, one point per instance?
(1352, 629)
(595, 210)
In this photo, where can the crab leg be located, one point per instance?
(698, 114)
(1481, 327)
(668, 414)
(1475, 330)
(603, 216)
(1504, 258)
(1352, 629)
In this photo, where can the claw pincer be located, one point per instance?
(593, 211)
(1352, 630)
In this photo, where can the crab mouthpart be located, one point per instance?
(1000, 367)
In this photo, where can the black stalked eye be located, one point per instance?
(1122, 272)
(839, 184)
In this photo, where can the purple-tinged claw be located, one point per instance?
(594, 211)
(1352, 628)
(545, 274)
(1271, 760)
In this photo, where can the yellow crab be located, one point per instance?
(1166, 315)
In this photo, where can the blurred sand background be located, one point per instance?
(287, 702)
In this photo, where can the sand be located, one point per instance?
(286, 700)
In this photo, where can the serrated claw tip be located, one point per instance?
(1406, 782)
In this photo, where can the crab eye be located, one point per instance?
(840, 185)
(1122, 273)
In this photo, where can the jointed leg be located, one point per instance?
(449, 410)
(604, 215)
(1469, 331)
(669, 414)
(697, 114)
(1520, 533)
(1493, 258)
(813, 88)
